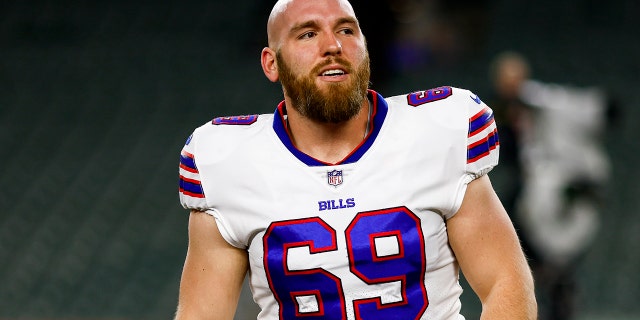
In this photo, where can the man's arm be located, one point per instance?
(213, 273)
(487, 248)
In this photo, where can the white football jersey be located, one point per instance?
(362, 239)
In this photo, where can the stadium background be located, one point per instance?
(97, 98)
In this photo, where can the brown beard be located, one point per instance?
(342, 102)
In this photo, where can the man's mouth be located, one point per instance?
(333, 73)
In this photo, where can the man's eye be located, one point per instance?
(307, 35)
(347, 31)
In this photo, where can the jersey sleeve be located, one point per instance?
(190, 190)
(202, 161)
(482, 139)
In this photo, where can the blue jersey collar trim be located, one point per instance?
(380, 109)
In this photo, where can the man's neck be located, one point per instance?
(328, 142)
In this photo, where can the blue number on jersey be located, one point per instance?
(288, 286)
(404, 263)
(421, 97)
(238, 120)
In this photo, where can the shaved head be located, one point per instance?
(278, 20)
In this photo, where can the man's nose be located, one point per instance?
(331, 45)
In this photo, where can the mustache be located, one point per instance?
(333, 60)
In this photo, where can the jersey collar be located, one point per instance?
(378, 115)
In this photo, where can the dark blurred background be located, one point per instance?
(97, 99)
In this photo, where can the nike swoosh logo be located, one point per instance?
(476, 99)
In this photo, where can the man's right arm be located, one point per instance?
(213, 273)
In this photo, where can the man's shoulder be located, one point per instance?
(434, 96)
(443, 111)
(445, 103)
(234, 125)
(229, 133)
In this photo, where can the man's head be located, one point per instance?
(318, 53)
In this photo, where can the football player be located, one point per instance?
(344, 204)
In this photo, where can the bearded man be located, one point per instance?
(344, 204)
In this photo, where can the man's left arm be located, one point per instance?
(490, 256)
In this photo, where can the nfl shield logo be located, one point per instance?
(334, 178)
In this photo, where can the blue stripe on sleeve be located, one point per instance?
(480, 121)
(190, 188)
(188, 162)
(477, 151)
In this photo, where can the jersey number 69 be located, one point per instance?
(406, 265)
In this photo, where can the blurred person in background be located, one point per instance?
(344, 204)
(513, 116)
(551, 137)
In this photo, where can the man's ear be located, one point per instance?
(269, 65)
